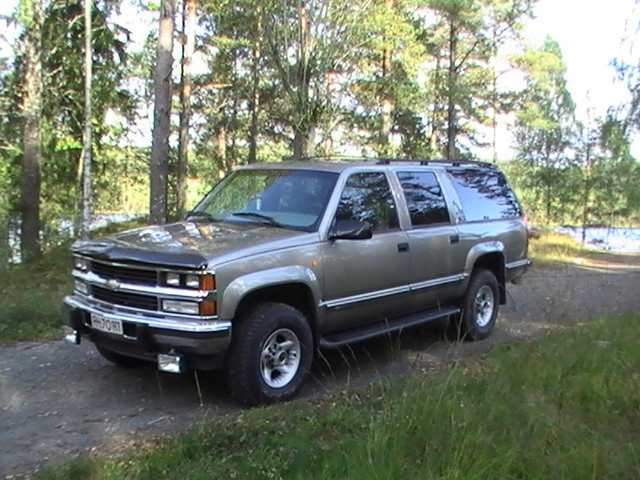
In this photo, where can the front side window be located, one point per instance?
(484, 194)
(367, 198)
(424, 197)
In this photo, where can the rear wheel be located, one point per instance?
(479, 306)
(270, 354)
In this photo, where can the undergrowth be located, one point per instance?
(31, 294)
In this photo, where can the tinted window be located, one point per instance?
(424, 198)
(367, 198)
(485, 194)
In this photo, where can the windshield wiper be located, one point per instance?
(260, 216)
(201, 214)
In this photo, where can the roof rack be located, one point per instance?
(453, 163)
(334, 158)
(390, 161)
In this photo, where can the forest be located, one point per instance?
(94, 122)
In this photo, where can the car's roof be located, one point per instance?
(339, 164)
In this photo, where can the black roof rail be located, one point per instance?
(453, 163)
(390, 161)
(334, 158)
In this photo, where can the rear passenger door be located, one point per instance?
(437, 265)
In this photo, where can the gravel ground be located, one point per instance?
(58, 400)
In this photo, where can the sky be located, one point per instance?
(590, 34)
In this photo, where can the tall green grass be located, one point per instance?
(566, 406)
(555, 249)
(31, 298)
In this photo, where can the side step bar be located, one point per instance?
(360, 334)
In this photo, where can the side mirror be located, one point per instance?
(350, 230)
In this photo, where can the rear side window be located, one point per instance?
(484, 194)
(424, 198)
(367, 198)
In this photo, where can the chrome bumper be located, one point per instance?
(149, 335)
(178, 323)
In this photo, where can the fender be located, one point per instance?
(242, 286)
(480, 250)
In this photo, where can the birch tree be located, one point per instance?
(88, 115)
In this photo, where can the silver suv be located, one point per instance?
(281, 259)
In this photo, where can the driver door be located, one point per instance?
(366, 280)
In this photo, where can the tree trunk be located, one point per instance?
(188, 48)
(387, 106)
(304, 142)
(254, 106)
(86, 157)
(162, 115)
(452, 126)
(304, 130)
(31, 140)
(221, 147)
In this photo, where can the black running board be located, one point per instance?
(360, 334)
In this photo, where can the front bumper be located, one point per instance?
(202, 342)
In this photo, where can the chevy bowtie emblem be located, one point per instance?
(112, 284)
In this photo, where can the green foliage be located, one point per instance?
(563, 406)
(62, 112)
(544, 132)
(407, 78)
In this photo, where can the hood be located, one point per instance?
(183, 244)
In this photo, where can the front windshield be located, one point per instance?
(283, 198)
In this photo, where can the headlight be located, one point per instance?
(80, 263)
(190, 280)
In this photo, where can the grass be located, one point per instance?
(565, 406)
(31, 294)
(555, 249)
(31, 298)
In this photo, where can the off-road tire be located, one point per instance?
(270, 354)
(479, 307)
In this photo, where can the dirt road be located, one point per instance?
(58, 400)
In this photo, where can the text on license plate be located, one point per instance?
(105, 324)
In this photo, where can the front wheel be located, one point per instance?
(479, 306)
(270, 354)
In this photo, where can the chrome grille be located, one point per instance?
(134, 300)
(125, 274)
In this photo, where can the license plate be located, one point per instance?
(106, 324)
